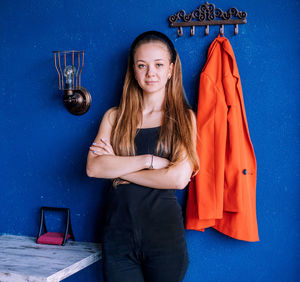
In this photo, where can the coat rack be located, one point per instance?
(206, 15)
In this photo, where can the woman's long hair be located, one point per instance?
(176, 132)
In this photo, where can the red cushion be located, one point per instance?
(52, 238)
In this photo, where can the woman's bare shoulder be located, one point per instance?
(192, 115)
(106, 124)
(110, 116)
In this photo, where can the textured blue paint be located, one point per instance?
(44, 148)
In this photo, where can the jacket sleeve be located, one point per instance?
(211, 147)
(233, 186)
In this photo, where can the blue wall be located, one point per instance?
(44, 148)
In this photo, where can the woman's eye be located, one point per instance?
(159, 65)
(141, 66)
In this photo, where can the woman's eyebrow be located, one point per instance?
(146, 62)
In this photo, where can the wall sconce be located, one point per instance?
(76, 98)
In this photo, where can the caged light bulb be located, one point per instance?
(77, 99)
(69, 73)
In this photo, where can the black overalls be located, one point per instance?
(143, 237)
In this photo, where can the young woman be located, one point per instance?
(148, 147)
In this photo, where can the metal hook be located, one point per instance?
(236, 29)
(180, 31)
(222, 29)
(193, 30)
(207, 30)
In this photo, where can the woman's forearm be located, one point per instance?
(174, 177)
(109, 166)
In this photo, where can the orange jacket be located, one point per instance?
(223, 193)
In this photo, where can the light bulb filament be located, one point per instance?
(69, 73)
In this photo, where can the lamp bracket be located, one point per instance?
(77, 101)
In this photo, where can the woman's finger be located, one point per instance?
(100, 146)
(98, 152)
(97, 149)
(107, 145)
(105, 142)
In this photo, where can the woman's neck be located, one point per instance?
(152, 102)
(152, 109)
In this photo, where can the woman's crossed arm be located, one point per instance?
(103, 163)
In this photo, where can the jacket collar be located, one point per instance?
(226, 46)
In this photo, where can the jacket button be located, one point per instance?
(245, 171)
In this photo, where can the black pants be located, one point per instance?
(131, 256)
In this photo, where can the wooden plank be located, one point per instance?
(21, 259)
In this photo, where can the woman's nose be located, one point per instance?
(150, 71)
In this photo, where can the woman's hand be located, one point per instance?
(158, 162)
(102, 148)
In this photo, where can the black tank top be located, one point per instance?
(144, 209)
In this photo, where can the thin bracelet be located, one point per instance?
(151, 166)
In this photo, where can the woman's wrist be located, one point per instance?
(149, 161)
(151, 165)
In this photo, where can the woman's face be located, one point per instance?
(152, 67)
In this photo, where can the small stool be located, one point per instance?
(54, 238)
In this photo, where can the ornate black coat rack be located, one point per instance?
(207, 15)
